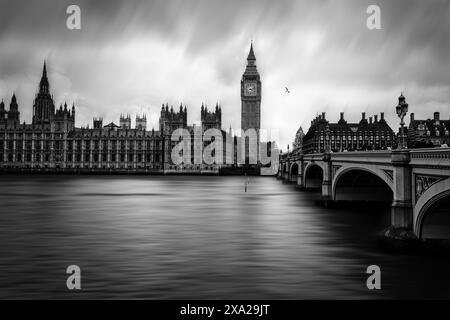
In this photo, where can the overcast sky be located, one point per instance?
(132, 56)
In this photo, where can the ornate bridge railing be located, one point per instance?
(378, 156)
(431, 157)
(313, 156)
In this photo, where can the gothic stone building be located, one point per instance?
(52, 142)
(428, 133)
(298, 142)
(343, 136)
(251, 104)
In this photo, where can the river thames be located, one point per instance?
(185, 237)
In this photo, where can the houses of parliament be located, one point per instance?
(53, 143)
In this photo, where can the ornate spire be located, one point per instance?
(251, 54)
(44, 85)
(13, 105)
(251, 69)
(44, 72)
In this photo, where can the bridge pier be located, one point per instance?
(327, 179)
(286, 173)
(280, 171)
(300, 181)
(300, 173)
(402, 218)
(402, 211)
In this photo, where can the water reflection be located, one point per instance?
(195, 237)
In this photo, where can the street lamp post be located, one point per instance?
(402, 109)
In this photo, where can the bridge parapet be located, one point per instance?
(313, 157)
(382, 156)
(430, 157)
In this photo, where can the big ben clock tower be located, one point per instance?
(251, 99)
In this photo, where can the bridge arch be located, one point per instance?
(313, 176)
(362, 183)
(293, 172)
(432, 212)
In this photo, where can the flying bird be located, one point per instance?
(287, 90)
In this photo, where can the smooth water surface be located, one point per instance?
(196, 237)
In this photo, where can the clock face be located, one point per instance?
(250, 89)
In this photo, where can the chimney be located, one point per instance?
(342, 116)
(412, 117)
(363, 116)
(382, 116)
(436, 116)
(376, 118)
(370, 120)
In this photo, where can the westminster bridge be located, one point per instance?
(416, 181)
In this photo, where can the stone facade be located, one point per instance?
(53, 143)
(366, 135)
(298, 142)
(251, 105)
(428, 133)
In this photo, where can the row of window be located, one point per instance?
(437, 133)
(355, 137)
(83, 158)
(78, 145)
(120, 166)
